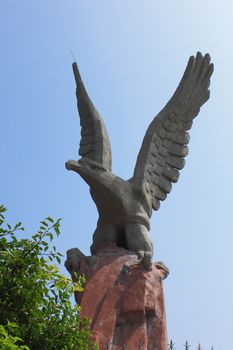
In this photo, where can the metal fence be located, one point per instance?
(171, 346)
(187, 346)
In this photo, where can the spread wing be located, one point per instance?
(94, 143)
(165, 143)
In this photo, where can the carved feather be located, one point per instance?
(165, 143)
(94, 143)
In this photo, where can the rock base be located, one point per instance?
(124, 301)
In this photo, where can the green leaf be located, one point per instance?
(56, 229)
(44, 223)
(2, 209)
(50, 235)
(78, 288)
(18, 225)
(58, 259)
(50, 219)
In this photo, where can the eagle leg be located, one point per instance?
(104, 234)
(137, 237)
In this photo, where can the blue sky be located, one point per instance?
(132, 55)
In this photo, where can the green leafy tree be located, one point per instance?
(8, 341)
(35, 299)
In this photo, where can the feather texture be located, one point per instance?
(165, 143)
(94, 143)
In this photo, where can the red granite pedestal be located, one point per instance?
(124, 301)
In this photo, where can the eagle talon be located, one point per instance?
(140, 254)
(145, 258)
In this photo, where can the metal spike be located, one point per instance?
(72, 55)
(171, 345)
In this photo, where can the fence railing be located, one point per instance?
(187, 346)
(171, 346)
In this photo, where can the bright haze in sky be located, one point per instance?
(131, 55)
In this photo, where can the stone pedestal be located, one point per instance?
(124, 301)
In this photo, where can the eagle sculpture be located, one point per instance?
(125, 206)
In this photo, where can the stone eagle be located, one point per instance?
(125, 206)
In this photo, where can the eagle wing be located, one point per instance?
(94, 143)
(165, 143)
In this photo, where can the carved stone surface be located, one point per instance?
(124, 301)
(125, 207)
(124, 294)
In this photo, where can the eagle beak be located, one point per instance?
(73, 165)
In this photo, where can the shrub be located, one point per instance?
(35, 299)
